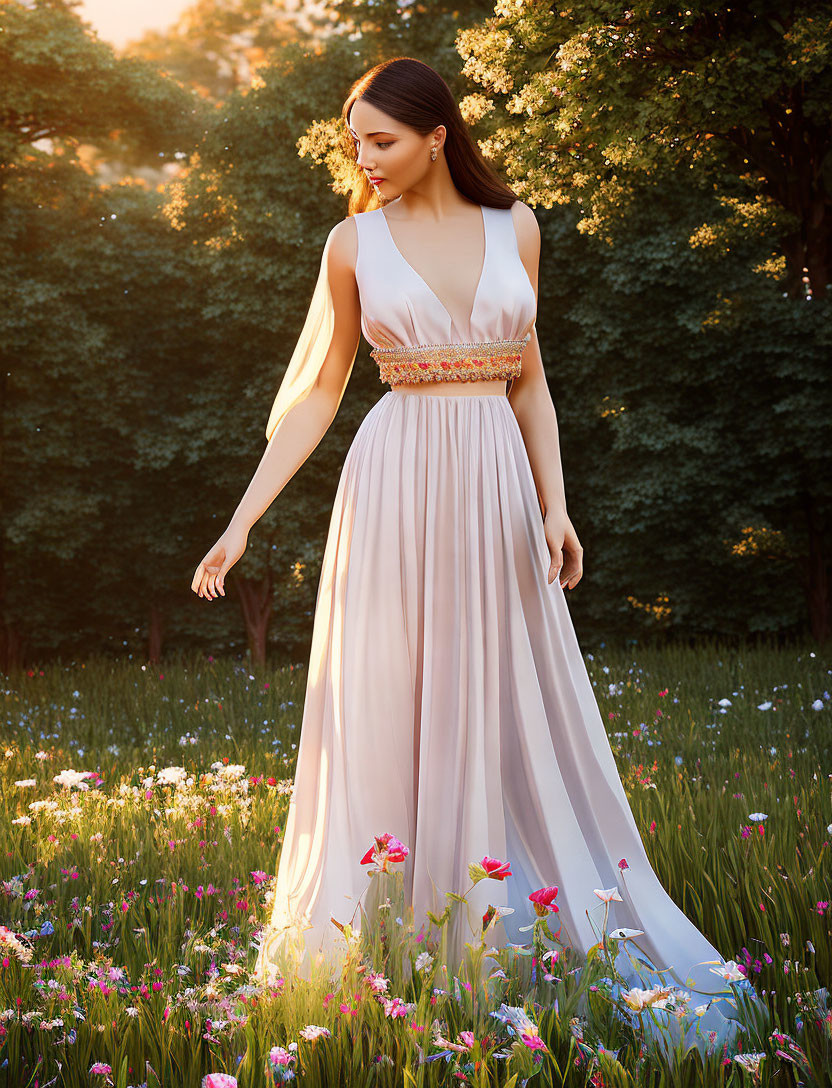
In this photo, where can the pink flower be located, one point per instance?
(219, 1080)
(394, 1006)
(623, 864)
(386, 851)
(377, 982)
(259, 877)
(533, 1042)
(101, 1069)
(544, 900)
(278, 1055)
(497, 870)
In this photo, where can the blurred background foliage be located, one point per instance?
(162, 214)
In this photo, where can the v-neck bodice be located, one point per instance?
(400, 309)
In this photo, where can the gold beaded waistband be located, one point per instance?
(493, 359)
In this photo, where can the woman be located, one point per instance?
(448, 703)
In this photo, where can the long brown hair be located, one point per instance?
(415, 94)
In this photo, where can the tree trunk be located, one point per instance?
(256, 602)
(12, 645)
(817, 586)
(155, 634)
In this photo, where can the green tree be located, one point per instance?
(725, 114)
(62, 87)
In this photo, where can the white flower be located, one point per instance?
(765, 706)
(424, 960)
(71, 778)
(638, 999)
(22, 821)
(817, 704)
(729, 971)
(25, 782)
(312, 1031)
(757, 816)
(725, 702)
(171, 776)
(608, 894)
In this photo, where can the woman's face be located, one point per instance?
(393, 156)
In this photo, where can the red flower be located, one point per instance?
(387, 849)
(544, 900)
(497, 870)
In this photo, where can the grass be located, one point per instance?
(134, 893)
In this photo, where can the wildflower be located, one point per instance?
(219, 1080)
(377, 982)
(312, 1032)
(387, 850)
(171, 776)
(279, 1056)
(730, 971)
(10, 942)
(72, 778)
(639, 999)
(396, 1007)
(544, 900)
(488, 867)
(757, 816)
(24, 783)
(495, 914)
(101, 1069)
(532, 1041)
(608, 894)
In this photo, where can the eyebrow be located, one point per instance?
(381, 132)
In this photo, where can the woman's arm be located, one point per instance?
(304, 424)
(532, 404)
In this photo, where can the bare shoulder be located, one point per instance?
(525, 225)
(343, 244)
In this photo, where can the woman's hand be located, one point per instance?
(209, 578)
(564, 548)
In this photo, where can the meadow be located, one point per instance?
(142, 816)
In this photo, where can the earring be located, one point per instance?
(433, 153)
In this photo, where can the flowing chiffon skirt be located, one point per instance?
(448, 704)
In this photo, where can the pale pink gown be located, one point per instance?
(447, 701)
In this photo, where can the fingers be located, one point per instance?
(208, 581)
(555, 565)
